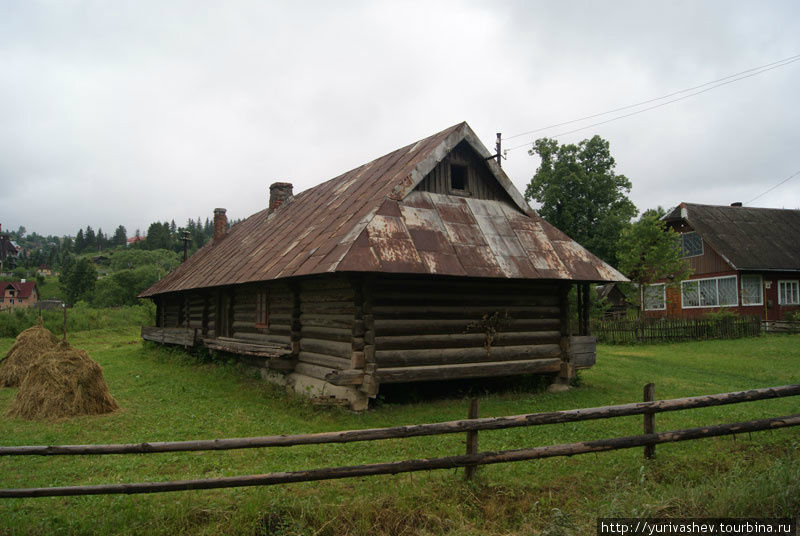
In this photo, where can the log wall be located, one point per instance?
(325, 328)
(430, 329)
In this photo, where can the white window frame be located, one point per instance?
(760, 289)
(663, 297)
(716, 279)
(683, 250)
(785, 282)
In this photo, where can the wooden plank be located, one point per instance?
(238, 346)
(451, 356)
(468, 370)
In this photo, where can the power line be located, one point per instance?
(787, 179)
(759, 70)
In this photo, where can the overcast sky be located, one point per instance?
(128, 112)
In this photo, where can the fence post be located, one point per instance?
(472, 438)
(649, 419)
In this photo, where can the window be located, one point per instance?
(752, 290)
(262, 308)
(711, 292)
(458, 177)
(789, 292)
(691, 244)
(655, 297)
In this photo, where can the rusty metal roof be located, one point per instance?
(370, 219)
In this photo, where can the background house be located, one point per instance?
(424, 264)
(15, 294)
(744, 259)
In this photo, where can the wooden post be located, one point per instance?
(64, 306)
(649, 419)
(472, 438)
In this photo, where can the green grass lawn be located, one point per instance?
(167, 396)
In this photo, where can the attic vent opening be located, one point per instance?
(458, 177)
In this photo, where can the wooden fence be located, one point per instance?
(647, 330)
(470, 460)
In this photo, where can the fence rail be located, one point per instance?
(674, 329)
(471, 459)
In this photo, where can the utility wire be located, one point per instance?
(787, 179)
(787, 60)
(759, 70)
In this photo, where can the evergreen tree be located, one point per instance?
(120, 238)
(80, 242)
(91, 239)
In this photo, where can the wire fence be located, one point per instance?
(647, 330)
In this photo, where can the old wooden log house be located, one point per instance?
(425, 264)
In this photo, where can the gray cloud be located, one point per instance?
(127, 113)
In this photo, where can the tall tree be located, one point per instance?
(91, 238)
(648, 251)
(80, 242)
(77, 280)
(581, 194)
(120, 238)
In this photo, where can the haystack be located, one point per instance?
(64, 382)
(28, 347)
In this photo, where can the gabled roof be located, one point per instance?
(370, 219)
(24, 290)
(747, 238)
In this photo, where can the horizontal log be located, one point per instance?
(395, 285)
(262, 338)
(283, 364)
(452, 356)
(415, 430)
(324, 283)
(449, 462)
(484, 297)
(387, 327)
(336, 308)
(470, 312)
(331, 334)
(329, 361)
(467, 370)
(321, 346)
(236, 346)
(465, 340)
(182, 336)
(315, 371)
(328, 295)
(327, 321)
(345, 377)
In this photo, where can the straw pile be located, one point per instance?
(28, 347)
(64, 382)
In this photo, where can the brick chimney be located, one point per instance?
(220, 223)
(279, 193)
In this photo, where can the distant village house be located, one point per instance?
(745, 260)
(15, 294)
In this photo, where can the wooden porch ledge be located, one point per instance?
(243, 347)
(182, 336)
